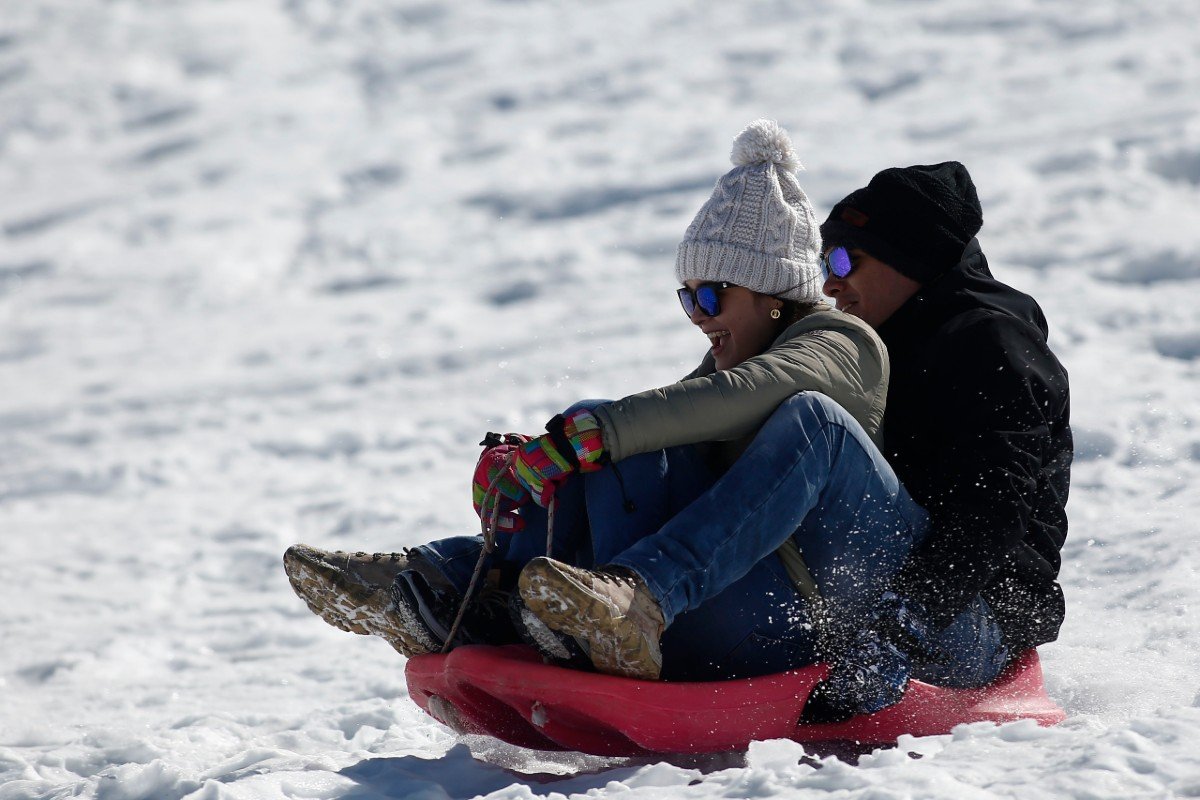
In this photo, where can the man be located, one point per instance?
(977, 421)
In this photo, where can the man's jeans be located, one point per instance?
(706, 546)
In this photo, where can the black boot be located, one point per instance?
(425, 596)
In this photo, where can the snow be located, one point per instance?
(268, 271)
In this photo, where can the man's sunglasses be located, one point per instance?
(705, 296)
(836, 263)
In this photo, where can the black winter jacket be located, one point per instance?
(977, 428)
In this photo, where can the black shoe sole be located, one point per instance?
(557, 648)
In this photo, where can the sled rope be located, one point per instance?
(488, 529)
(550, 528)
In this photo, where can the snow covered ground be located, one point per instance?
(268, 270)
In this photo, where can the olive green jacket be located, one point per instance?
(826, 351)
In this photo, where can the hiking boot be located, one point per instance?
(608, 610)
(351, 591)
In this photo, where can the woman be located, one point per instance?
(685, 494)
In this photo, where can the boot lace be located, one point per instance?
(621, 575)
(377, 557)
(392, 558)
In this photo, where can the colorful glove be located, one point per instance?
(573, 442)
(871, 671)
(494, 484)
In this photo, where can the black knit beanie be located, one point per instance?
(916, 219)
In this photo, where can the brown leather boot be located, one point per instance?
(610, 610)
(351, 591)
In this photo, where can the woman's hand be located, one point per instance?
(574, 442)
(495, 486)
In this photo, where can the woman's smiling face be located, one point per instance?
(743, 329)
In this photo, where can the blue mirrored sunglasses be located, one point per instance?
(836, 263)
(705, 297)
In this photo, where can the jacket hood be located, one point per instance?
(967, 287)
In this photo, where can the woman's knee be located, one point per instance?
(812, 404)
(804, 412)
(816, 415)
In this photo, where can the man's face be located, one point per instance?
(872, 291)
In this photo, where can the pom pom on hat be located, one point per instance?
(764, 142)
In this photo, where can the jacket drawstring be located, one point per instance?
(627, 504)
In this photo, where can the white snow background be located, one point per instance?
(269, 270)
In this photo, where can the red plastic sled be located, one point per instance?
(508, 693)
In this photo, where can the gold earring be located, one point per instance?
(775, 313)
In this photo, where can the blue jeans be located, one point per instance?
(706, 545)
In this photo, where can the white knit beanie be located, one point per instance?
(758, 229)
